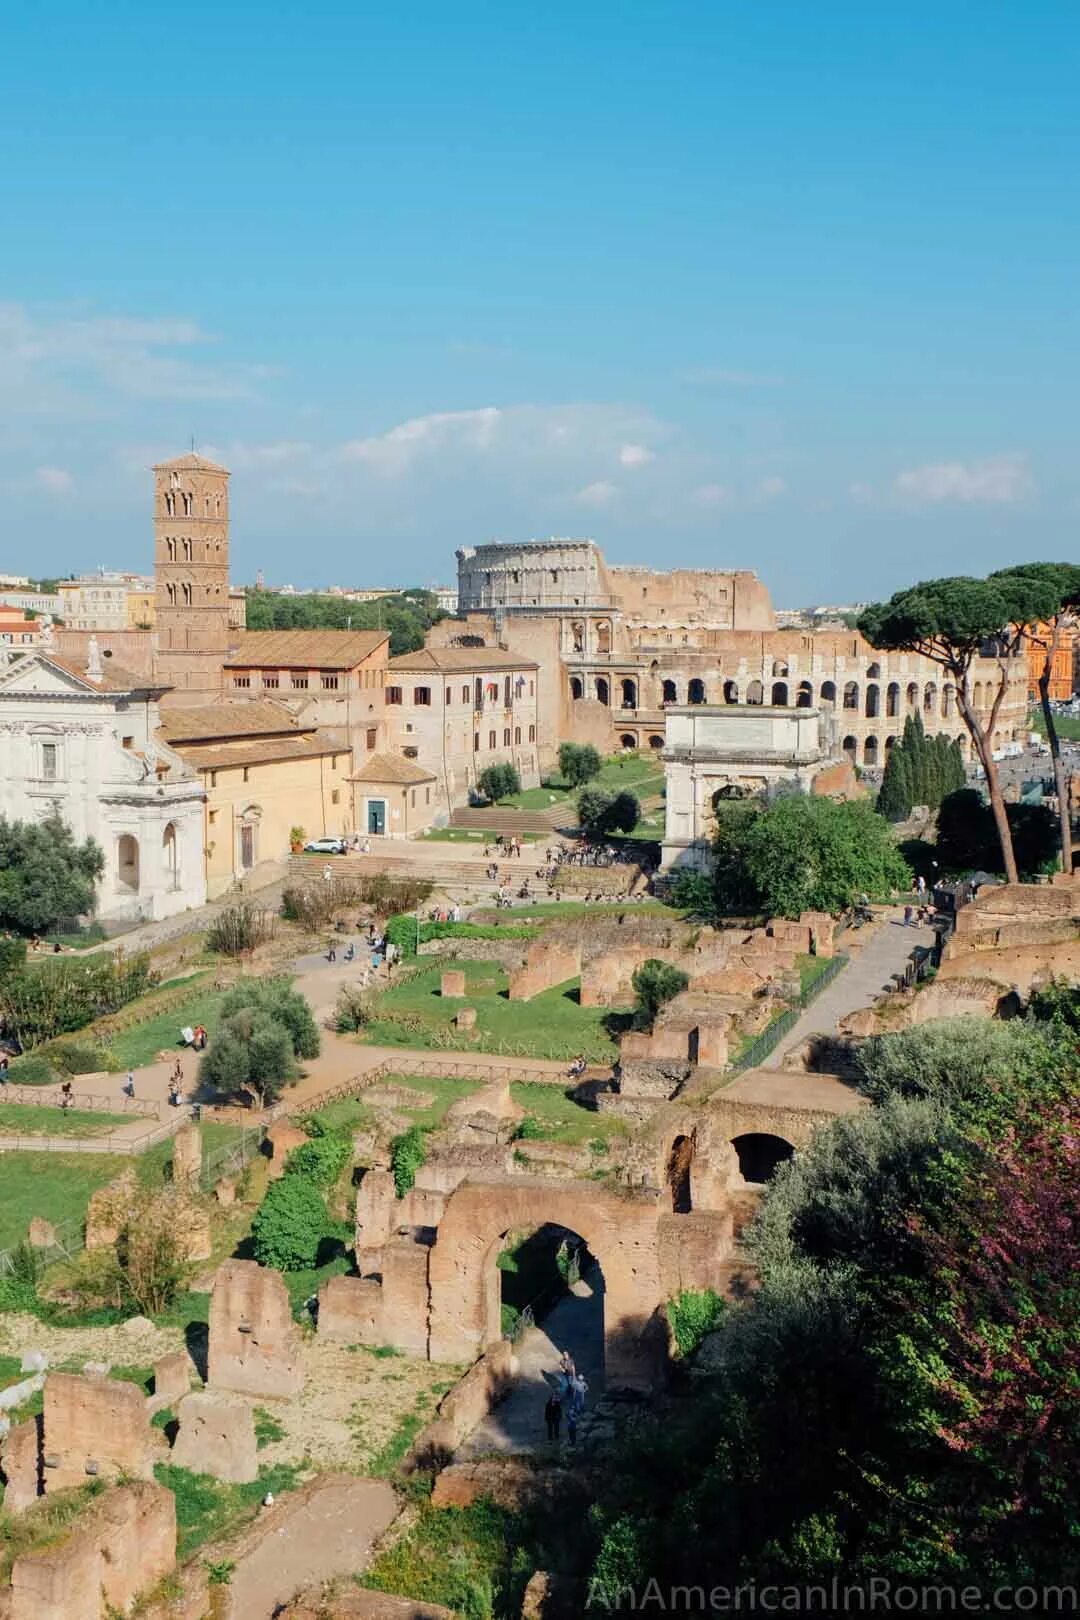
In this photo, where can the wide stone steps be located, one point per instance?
(502, 821)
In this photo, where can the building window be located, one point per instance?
(422, 696)
(532, 733)
(491, 740)
(213, 817)
(476, 742)
(329, 683)
(241, 680)
(532, 688)
(128, 742)
(427, 795)
(271, 682)
(213, 779)
(170, 548)
(246, 774)
(335, 796)
(333, 762)
(372, 737)
(187, 551)
(517, 734)
(49, 754)
(506, 737)
(464, 694)
(412, 799)
(449, 697)
(393, 694)
(299, 683)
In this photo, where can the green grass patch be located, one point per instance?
(30, 1119)
(302, 1284)
(130, 1374)
(45, 1522)
(389, 1457)
(570, 909)
(560, 1118)
(471, 835)
(56, 1186)
(551, 1025)
(472, 1560)
(11, 1371)
(811, 969)
(348, 1113)
(267, 1428)
(207, 1509)
(135, 1047)
(1066, 725)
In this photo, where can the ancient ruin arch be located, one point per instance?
(603, 691)
(828, 694)
(603, 635)
(577, 687)
(695, 691)
(913, 695)
(629, 693)
(755, 693)
(779, 695)
(804, 698)
(930, 697)
(127, 861)
(760, 1156)
(577, 634)
(851, 748)
(873, 672)
(170, 857)
(669, 692)
(851, 696)
(892, 699)
(627, 741)
(620, 1231)
(677, 1174)
(779, 667)
(948, 701)
(873, 702)
(656, 742)
(870, 751)
(731, 691)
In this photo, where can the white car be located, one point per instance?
(325, 846)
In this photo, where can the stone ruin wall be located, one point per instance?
(1017, 934)
(122, 1546)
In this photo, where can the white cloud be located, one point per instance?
(768, 489)
(602, 493)
(55, 479)
(636, 455)
(55, 362)
(394, 452)
(998, 481)
(711, 495)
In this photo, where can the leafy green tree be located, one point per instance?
(895, 799)
(655, 983)
(45, 875)
(407, 617)
(407, 1153)
(1063, 580)
(737, 892)
(811, 854)
(289, 1225)
(950, 622)
(252, 1052)
(578, 763)
(967, 837)
(498, 782)
(277, 999)
(323, 1158)
(601, 813)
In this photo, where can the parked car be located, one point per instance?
(325, 846)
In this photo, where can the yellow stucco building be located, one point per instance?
(264, 773)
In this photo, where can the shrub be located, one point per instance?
(315, 905)
(497, 782)
(61, 995)
(70, 1057)
(529, 1130)
(239, 929)
(279, 1001)
(289, 1225)
(693, 1314)
(601, 813)
(32, 1070)
(353, 1010)
(578, 763)
(655, 983)
(12, 956)
(407, 1153)
(323, 1158)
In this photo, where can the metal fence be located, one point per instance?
(422, 1066)
(107, 1142)
(760, 1047)
(81, 1102)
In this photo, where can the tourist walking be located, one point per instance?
(129, 1084)
(553, 1416)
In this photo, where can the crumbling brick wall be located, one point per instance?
(121, 1546)
(95, 1427)
(254, 1342)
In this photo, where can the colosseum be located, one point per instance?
(629, 643)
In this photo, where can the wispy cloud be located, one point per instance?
(636, 455)
(599, 494)
(997, 481)
(394, 452)
(57, 480)
(711, 495)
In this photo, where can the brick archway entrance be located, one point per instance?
(619, 1229)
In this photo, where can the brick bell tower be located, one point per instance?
(191, 574)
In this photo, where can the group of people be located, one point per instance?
(505, 846)
(567, 1397)
(918, 913)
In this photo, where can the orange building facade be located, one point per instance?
(1062, 683)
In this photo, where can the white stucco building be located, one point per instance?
(748, 749)
(80, 742)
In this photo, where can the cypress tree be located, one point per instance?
(894, 799)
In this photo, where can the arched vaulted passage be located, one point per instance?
(779, 695)
(760, 1156)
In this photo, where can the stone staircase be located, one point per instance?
(506, 822)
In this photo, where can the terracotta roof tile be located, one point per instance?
(478, 659)
(258, 751)
(392, 768)
(112, 678)
(228, 720)
(304, 649)
(189, 463)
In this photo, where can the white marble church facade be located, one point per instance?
(80, 742)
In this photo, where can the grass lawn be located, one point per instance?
(471, 835)
(141, 1044)
(810, 970)
(443, 1089)
(1067, 725)
(207, 1508)
(27, 1119)
(578, 908)
(56, 1186)
(640, 773)
(551, 1025)
(563, 1119)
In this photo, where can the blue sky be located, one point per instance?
(773, 285)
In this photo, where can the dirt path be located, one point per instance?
(329, 1529)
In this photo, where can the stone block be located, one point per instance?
(95, 1428)
(20, 1465)
(34, 1361)
(376, 1215)
(547, 963)
(216, 1436)
(41, 1234)
(452, 983)
(172, 1377)
(254, 1342)
(107, 1211)
(465, 1018)
(405, 1295)
(187, 1155)
(350, 1310)
(122, 1546)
